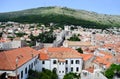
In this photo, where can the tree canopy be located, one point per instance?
(80, 50)
(71, 76)
(114, 70)
(45, 74)
(74, 38)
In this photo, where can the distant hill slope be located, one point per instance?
(62, 16)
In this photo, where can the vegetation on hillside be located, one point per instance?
(62, 16)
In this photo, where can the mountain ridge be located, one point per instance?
(81, 15)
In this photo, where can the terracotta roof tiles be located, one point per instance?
(8, 58)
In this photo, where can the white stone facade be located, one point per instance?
(62, 67)
(22, 71)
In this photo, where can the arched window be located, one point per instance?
(55, 70)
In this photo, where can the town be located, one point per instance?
(89, 53)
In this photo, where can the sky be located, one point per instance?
(100, 6)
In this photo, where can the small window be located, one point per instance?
(59, 71)
(21, 74)
(59, 63)
(43, 69)
(77, 61)
(63, 63)
(43, 62)
(54, 62)
(71, 61)
(66, 61)
(66, 69)
(62, 71)
(26, 70)
(34, 63)
(31, 65)
(71, 69)
(77, 69)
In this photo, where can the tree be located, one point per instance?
(74, 38)
(71, 76)
(79, 50)
(20, 34)
(45, 74)
(112, 71)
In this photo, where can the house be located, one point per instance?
(61, 59)
(76, 44)
(88, 59)
(92, 73)
(7, 45)
(17, 62)
(103, 60)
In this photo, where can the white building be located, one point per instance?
(17, 62)
(7, 45)
(63, 60)
(76, 44)
(95, 74)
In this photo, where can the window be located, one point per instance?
(62, 71)
(54, 62)
(66, 69)
(71, 61)
(21, 74)
(34, 63)
(63, 63)
(26, 70)
(43, 62)
(66, 61)
(71, 69)
(59, 63)
(43, 69)
(31, 65)
(59, 71)
(77, 69)
(77, 61)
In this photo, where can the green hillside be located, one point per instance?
(62, 16)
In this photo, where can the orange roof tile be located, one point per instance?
(43, 56)
(59, 52)
(87, 56)
(8, 58)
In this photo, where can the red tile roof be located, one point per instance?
(8, 58)
(43, 56)
(87, 56)
(58, 52)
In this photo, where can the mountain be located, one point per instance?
(62, 16)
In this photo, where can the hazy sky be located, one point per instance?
(100, 6)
